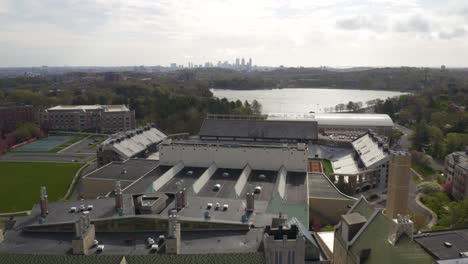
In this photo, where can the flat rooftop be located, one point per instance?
(145, 184)
(59, 212)
(433, 243)
(296, 187)
(320, 187)
(197, 206)
(130, 170)
(184, 179)
(338, 119)
(267, 181)
(121, 243)
(227, 178)
(84, 108)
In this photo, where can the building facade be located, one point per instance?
(456, 173)
(12, 114)
(93, 118)
(343, 122)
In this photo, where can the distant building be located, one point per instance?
(456, 173)
(12, 114)
(138, 143)
(112, 77)
(243, 129)
(344, 123)
(93, 118)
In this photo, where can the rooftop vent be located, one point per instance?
(448, 244)
(225, 174)
(124, 171)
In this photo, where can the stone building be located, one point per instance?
(456, 173)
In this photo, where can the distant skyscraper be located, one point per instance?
(237, 62)
(250, 63)
(243, 62)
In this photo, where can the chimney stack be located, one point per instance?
(44, 202)
(398, 184)
(118, 198)
(250, 202)
(173, 236)
(181, 199)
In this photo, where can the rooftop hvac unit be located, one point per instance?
(225, 174)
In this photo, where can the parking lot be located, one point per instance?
(296, 188)
(227, 178)
(265, 179)
(184, 179)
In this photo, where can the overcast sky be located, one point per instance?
(271, 32)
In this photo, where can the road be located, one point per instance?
(405, 143)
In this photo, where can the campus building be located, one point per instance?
(12, 114)
(456, 173)
(92, 118)
(138, 143)
(365, 167)
(251, 129)
(343, 122)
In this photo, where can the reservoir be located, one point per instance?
(302, 100)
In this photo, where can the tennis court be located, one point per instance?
(45, 144)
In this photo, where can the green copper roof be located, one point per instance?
(362, 207)
(375, 237)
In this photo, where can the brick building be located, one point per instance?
(94, 118)
(11, 114)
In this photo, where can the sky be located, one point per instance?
(306, 33)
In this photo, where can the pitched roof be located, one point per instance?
(266, 129)
(373, 236)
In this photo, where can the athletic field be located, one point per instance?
(45, 144)
(20, 183)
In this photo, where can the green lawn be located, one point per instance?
(327, 167)
(21, 181)
(423, 170)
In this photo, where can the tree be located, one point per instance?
(256, 107)
(22, 134)
(350, 106)
(456, 141)
(428, 188)
(437, 138)
(421, 135)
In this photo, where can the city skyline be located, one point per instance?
(291, 33)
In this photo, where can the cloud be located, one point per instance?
(361, 22)
(273, 32)
(456, 33)
(415, 23)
